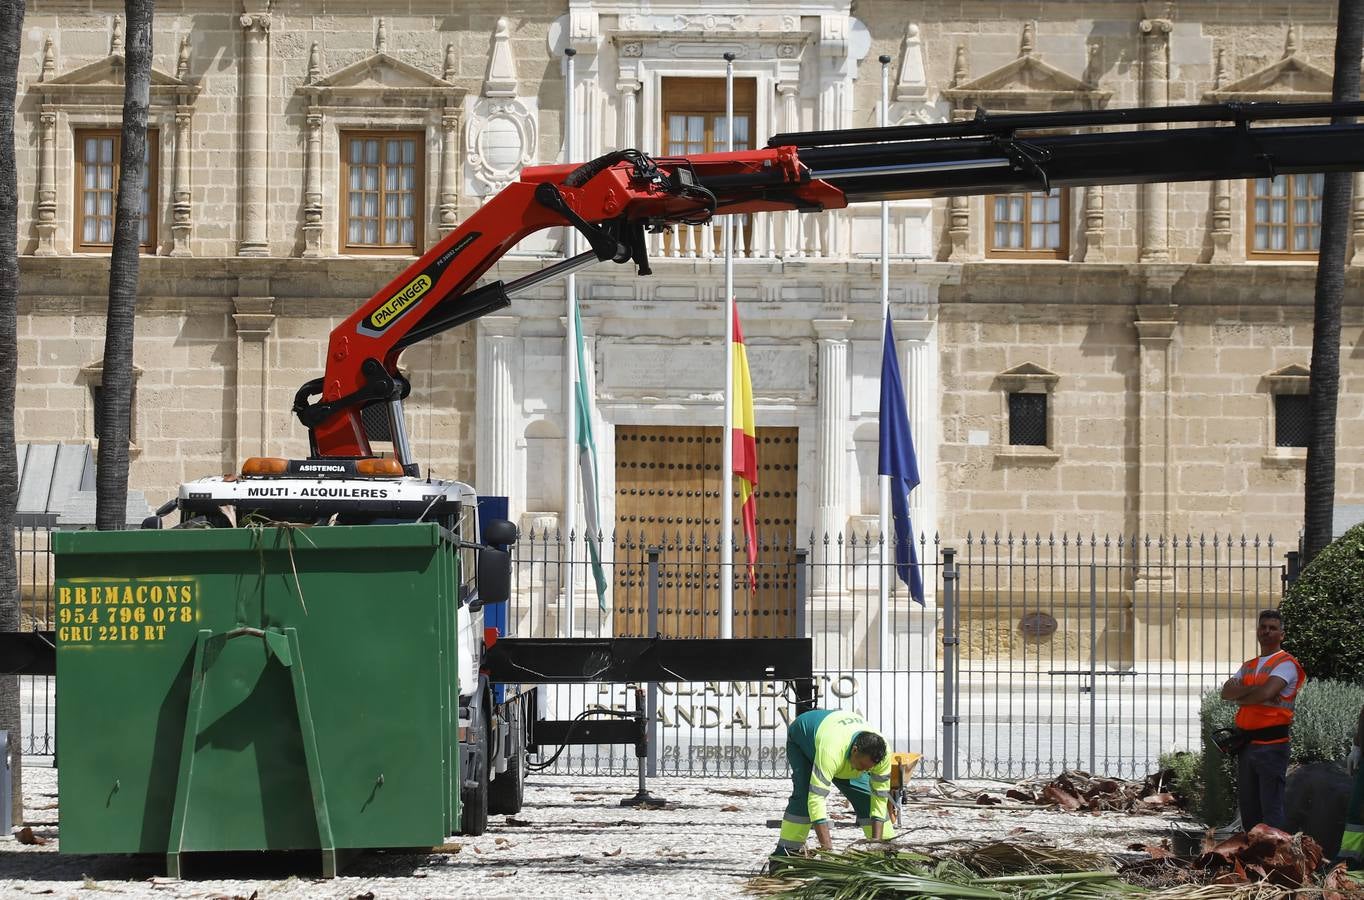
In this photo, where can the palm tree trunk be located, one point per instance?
(111, 474)
(11, 719)
(1320, 483)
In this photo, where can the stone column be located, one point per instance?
(182, 209)
(1221, 222)
(959, 212)
(255, 319)
(255, 158)
(1094, 224)
(1357, 222)
(312, 188)
(449, 171)
(831, 514)
(1155, 330)
(1155, 91)
(497, 450)
(627, 89)
(47, 183)
(790, 121)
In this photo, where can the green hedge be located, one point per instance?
(1323, 609)
(1323, 723)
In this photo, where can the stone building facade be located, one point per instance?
(1151, 333)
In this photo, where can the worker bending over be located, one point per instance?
(830, 748)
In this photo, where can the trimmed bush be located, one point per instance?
(1323, 609)
(1323, 722)
(1187, 781)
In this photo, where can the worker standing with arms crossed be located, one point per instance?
(1264, 689)
(827, 749)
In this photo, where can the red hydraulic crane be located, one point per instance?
(615, 199)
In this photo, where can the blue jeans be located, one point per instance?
(1261, 771)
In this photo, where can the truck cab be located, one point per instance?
(307, 493)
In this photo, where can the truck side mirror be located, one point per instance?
(493, 576)
(499, 533)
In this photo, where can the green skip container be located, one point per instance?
(257, 689)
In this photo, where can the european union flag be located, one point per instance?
(897, 460)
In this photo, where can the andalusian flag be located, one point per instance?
(587, 462)
(745, 448)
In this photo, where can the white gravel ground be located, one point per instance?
(576, 841)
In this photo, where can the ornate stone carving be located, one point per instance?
(499, 141)
(49, 61)
(254, 22)
(47, 184)
(312, 191)
(449, 149)
(182, 223)
(350, 96)
(632, 49)
(1094, 224)
(501, 75)
(912, 85)
(91, 92)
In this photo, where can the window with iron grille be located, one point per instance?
(97, 403)
(1028, 419)
(1292, 421)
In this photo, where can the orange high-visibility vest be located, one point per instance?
(1277, 710)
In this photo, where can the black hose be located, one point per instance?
(539, 767)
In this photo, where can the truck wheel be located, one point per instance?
(507, 791)
(473, 819)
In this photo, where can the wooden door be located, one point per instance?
(668, 483)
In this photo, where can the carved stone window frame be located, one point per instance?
(769, 58)
(92, 375)
(1051, 89)
(334, 105)
(1027, 378)
(1291, 78)
(1293, 379)
(90, 98)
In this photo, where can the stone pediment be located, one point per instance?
(1027, 82)
(379, 75)
(105, 77)
(1025, 75)
(379, 71)
(1291, 78)
(1028, 376)
(1293, 378)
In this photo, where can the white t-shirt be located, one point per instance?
(1285, 670)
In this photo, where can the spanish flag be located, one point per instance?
(745, 449)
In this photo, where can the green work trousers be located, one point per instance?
(795, 825)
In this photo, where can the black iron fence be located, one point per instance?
(1030, 655)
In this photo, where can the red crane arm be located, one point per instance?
(614, 199)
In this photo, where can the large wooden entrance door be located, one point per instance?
(668, 483)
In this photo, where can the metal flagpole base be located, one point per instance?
(643, 798)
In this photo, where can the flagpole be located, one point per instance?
(570, 362)
(883, 588)
(727, 444)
